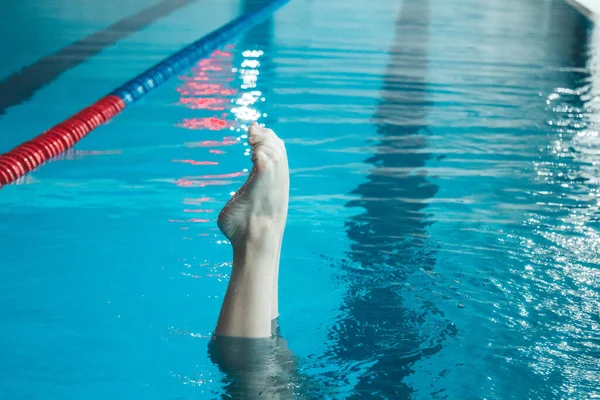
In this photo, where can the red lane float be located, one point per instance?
(30, 155)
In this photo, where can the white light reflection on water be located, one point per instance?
(244, 110)
(563, 277)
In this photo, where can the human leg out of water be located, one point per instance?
(254, 220)
(247, 347)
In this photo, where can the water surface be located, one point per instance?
(443, 237)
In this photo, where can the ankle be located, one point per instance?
(258, 253)
(262, 229)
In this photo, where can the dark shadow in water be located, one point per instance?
(257, 368)
(22, 85)
(569, 37)
(390, 236)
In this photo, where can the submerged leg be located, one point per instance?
(254, 220)
(263, 368)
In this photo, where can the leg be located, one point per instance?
(253, 220)
(263, 368)
(275, 288)
(247, 347)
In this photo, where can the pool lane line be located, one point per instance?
(23, 84)
(56, 140)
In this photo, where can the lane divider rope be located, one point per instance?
(56, 140)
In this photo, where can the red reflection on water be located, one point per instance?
(207, 89)
(203, 91)
(209, 64)
(222, 176)
(193, 162)
(195, 87)
(197, 78)
(214, 124)
(199, 183)
(208, 104)
(210, 143)
(208, 180)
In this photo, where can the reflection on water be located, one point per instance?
(560, 247)
(390, 236)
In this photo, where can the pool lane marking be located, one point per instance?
(30, 155)
(23, 84)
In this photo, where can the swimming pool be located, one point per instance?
(442, 239)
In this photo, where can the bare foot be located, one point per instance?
(260, 206)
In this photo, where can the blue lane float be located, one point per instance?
(152, 78)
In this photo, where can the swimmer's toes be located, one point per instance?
(267, 148)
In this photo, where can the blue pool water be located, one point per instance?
(443, 236)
